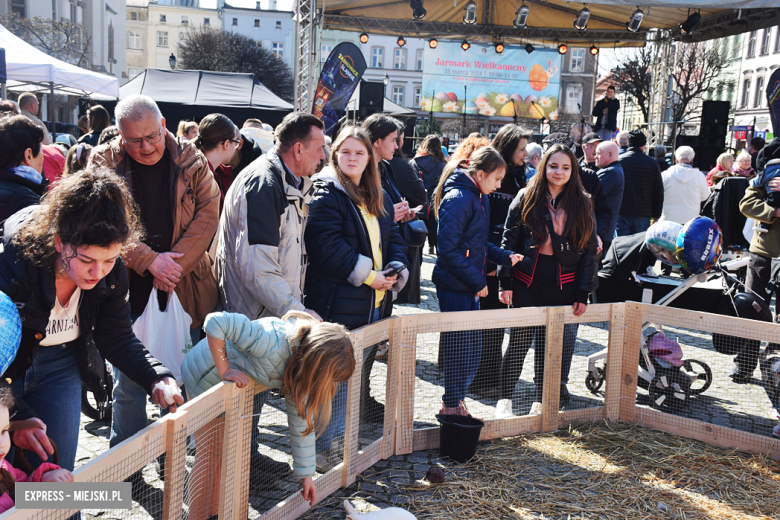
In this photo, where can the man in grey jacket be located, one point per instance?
(260, 255)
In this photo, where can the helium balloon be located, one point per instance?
(10, 331)
(661, 240)
(698, 245)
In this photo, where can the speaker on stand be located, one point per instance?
(714, 127)
(372, 98)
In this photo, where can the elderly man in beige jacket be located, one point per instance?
(28, 104)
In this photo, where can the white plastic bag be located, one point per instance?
(165, 334)
(748, 231)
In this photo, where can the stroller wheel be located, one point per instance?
(592, 382)
(663, 395)
(703, 375)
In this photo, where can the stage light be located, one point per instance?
(529, 48)
(521, 17)
(636, 21)
(465, 45)
(471, 12)
(418, 11)
(687, 26)
(581, 22)
(562, 48)
(499, 47)
(594, 50)
(363, 37)
(400, 41)
(433, 43)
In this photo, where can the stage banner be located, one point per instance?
(773, 100)
(514, 82)
(340, 76)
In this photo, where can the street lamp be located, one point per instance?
(385, 80)
(172, 61)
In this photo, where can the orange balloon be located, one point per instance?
(538, 78)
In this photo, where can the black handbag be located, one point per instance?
(564, 253)
(414, 233)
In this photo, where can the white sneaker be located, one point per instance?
(504, 409)
(536, 409)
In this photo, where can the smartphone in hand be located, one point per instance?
(394, 271)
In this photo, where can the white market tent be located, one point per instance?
(30, 69)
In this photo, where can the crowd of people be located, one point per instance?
(276, 242)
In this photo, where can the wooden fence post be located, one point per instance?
(630, 363)
(406, 343)
(230, 425)
(175, 454)
(614, 363)
(392, 412)
(244, 448)
(352, 422)
(551, 390)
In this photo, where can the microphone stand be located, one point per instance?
(582, 124)
(540, 111)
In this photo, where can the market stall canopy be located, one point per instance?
(193, 94)
(30, 69)
(551, 20)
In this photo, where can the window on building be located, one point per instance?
(325, 50)
(417, 95)
(182, 36)
(745, 93)
(74, 13)
(398, 96)
(419, 59)
(377, 57)
(278, 50)
(19, 7)
(133, 72)
(751, 46)
(577, 59)
(257, 23)
(163, 18)
(133, 16)
(111, 40)
(134, 39)
(235, 21)
(207, 21)
(573, 96)
(759, 91)
(162, 38)
(400, 59)
(278, 24)
(765, 41)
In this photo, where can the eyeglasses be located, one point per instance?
(134, 144)
(237, 141)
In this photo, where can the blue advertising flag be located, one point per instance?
(510, 84)
(340, 76)
(3, 73)
(773, 99)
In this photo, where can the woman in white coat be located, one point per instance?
(685, 188)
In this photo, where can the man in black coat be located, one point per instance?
(605, 111)
(643, 193)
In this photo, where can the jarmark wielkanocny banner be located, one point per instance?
(496, 84)
(340, 76)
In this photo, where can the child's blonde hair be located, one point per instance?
(322, 356)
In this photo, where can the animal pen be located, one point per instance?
(221, 421)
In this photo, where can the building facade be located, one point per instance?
(760, 57)
(273, 29)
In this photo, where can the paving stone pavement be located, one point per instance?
(738, 406)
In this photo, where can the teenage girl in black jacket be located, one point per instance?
(556, 269)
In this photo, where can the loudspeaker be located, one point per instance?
(715, 116)
(372, 94)
(694, 141)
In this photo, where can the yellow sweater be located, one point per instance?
(372, 224)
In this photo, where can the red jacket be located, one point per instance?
(6, 502)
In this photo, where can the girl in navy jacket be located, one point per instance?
(463, 212)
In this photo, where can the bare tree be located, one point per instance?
(697, 68)
(205, 48)
(633, 76)
(64, 40)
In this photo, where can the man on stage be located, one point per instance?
(605, 111)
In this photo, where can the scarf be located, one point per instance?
(28, 172)
(743, 173)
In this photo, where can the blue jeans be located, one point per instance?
(461, 350)
(52, 387)
(338, 406)
(631, 225)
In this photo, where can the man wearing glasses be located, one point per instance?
(178, 201)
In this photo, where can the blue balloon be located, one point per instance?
(698, 245)
(10, 331)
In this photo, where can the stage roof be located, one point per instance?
(551, 21)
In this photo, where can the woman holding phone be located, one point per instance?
(354, 248)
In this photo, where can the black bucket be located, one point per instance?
(458, 436)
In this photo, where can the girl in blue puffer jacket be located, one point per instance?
(463, 211)
(304, 357)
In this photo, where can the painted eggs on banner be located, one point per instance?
(699, 245)
(10, 331)
(661, 240)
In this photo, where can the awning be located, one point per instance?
(551, 21)
(30, 69)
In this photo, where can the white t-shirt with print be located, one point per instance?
(63, 321)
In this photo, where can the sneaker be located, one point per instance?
(740, 376)
(536, 409)
(504, 409)
(326, 460)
